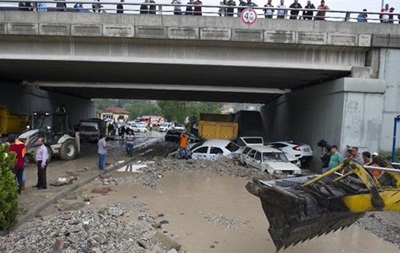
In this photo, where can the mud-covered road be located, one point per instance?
(193, 206)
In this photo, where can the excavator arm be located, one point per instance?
(301, 208)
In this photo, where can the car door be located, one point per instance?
(200, 153)
(250, 158)
(215, 153)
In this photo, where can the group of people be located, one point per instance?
(194, 7)
(41, 158)
(281, 9)
(332, 157)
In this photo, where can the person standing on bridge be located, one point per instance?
(322, 8)
(189, 8)
(197, 8)
(268, 12)
(362, 16)
(384, 16)
(177, 7)
(120, 7)
(96, 7)
(61, 6)
(294, 13)
(230, 10)
(308, 14)
(281, 13)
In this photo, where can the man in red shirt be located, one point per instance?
(321, 11)
(18, 149)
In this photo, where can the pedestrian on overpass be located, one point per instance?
(130, 139)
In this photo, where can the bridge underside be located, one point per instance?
(164, 81)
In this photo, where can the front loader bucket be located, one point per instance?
(297, 214)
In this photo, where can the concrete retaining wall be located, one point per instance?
(343, 112)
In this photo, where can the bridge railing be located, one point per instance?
(170, 9)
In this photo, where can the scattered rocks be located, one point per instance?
(228, 223)
(106, 233)
(168, 241)
(115, 211)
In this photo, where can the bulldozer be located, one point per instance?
(57, 132)
(301, 208)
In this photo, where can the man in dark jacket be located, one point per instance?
(308, 15)
(295, 13)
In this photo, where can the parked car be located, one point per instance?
(165, 127)
(137, 128)
(173, 135)
(179, 127)
(91, 129)
(267, 159)
(296, 152)
(214, 149)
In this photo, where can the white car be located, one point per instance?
(214, 149)
(137, 128)
(165, 127)
(294, 151)
(179, 127)
(269, 160)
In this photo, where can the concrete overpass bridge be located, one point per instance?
(333, 80)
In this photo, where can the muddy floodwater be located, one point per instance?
(210, 213)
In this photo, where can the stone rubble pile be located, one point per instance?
(151, 175)
(85, 231)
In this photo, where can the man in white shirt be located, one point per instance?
(41, 162)
(281, 13)
(102, 151)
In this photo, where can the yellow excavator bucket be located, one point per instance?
(301, 208)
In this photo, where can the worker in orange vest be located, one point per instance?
(183, 150)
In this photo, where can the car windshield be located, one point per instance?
(232, 147)
(274, 157)
(197, 145)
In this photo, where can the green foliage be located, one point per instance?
(179, 110)
(8, 189)
(139, 108)
(388, 155)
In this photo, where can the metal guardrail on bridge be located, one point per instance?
(197, 8)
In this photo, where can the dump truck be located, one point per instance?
(12, 123)
(301, 208)
(217, 126)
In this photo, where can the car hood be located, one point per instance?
(282, 166)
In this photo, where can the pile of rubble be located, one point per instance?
(101, 230)
(151, 174)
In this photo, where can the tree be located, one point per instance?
(8, 189)
(139, 108)
(179, 110)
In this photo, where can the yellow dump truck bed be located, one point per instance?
(218, 130)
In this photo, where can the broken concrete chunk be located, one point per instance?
(168, 241)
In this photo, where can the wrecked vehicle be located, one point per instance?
(301, 208)
(212, 150)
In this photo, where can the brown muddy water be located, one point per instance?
(211, 213)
